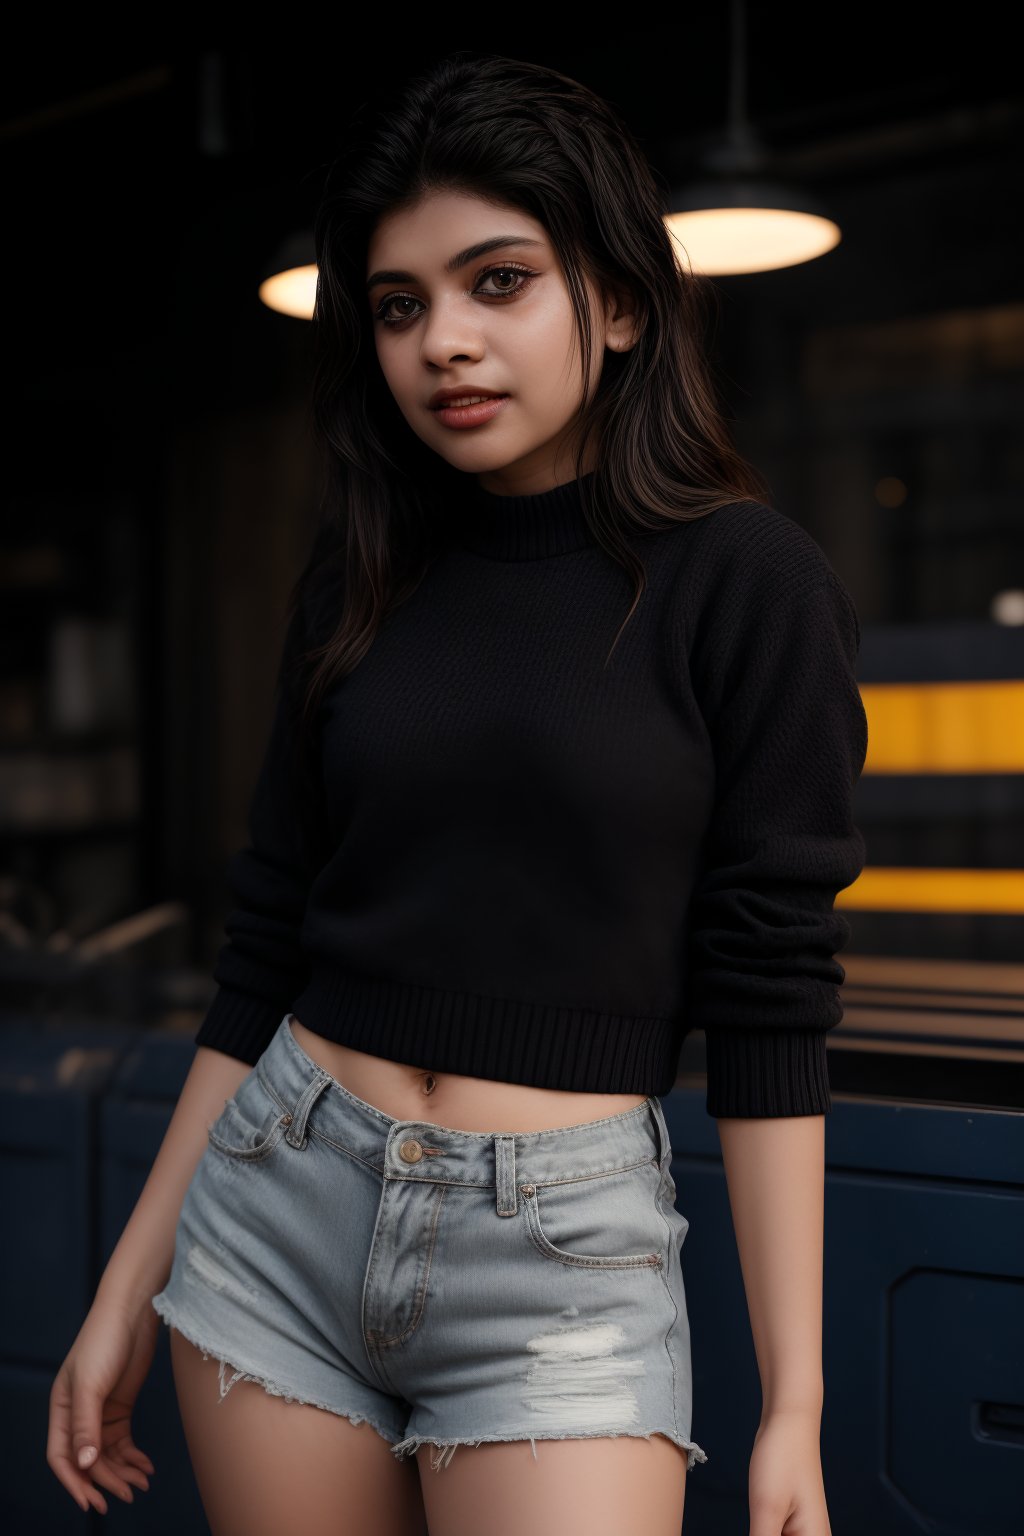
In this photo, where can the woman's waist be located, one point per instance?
(447, 1098)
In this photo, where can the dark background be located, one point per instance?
(161, 483)
(160, 488)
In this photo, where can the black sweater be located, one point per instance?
(522, 864)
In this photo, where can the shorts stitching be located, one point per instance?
(419, 1300)
(603, 1173)
(314, 1134)
(675, 1310)
(248, 1154)
(586, 1261)
(572, 1178)
(374, 1356)
(549, 1251)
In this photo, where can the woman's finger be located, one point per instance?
(125, 1449)
(139, 1459)
(95, 1499)
(103, 1472)
(131, 1474)
(86, 1421)
(58, 1445)
(126, 1458)
(77, 1483)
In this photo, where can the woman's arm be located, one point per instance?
(141, 1262)
(262, 967)
(775, 1172)
(90, 1444)
(773, 666)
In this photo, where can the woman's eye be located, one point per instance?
(507, 272)
(523, 275)
(398, 298)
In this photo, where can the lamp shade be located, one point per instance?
(729, 225)
(289, 282)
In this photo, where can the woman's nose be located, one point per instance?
(444, 339)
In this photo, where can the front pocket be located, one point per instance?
(602, 1221)
(251, 1123)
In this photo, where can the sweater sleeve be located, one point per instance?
(261, 968)
(778, 689)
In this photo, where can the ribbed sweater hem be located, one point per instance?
(751, 1072)
(239, 1024)
(544, 1045)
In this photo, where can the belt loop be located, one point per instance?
(664, 1141)
(296, 1133)
(505, 1173)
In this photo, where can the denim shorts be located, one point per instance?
(447, 1287)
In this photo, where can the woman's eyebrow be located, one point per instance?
(461, 259)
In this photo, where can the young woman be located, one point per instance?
(561, 767)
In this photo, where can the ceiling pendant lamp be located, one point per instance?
(289, 282)
(735, 218)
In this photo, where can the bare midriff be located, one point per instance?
(459, 1103)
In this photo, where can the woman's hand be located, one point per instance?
(785, 1487)
(91, 1401)
(93, 1394)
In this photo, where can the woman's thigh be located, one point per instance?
(264, 1465)
(603, 1486)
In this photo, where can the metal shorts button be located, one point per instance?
(410, 1151)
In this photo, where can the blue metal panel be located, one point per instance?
(49, 1090)
(32, 1501)
(923, 1423)
(50, 1086)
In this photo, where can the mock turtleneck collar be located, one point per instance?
(530, 527)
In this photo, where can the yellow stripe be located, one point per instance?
(935, 890)
(972, 727)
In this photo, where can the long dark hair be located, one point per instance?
(524, 135)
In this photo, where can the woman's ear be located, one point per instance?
(622, 325)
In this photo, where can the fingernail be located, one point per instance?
(87, 1455)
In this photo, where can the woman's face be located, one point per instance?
(437, 328)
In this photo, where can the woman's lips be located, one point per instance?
(471, 415)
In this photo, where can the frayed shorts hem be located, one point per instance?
(244, 1371)
(445, 1449)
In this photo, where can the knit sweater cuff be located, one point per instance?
(758, 1072)
(239, 1024)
